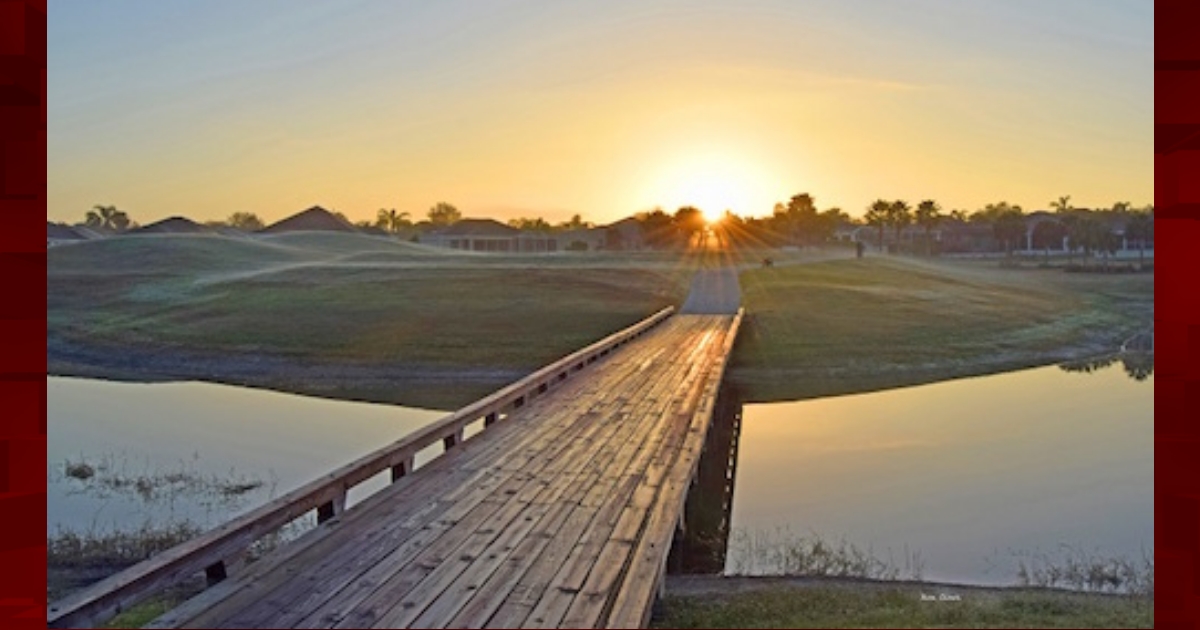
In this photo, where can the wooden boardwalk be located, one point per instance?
(560, 514)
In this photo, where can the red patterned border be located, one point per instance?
(23, 264)
(23, 314)
(1176, 312)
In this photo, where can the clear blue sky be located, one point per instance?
(604, 108)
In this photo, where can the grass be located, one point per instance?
(215, 308)
(111, 474)
(847, 326)
(350, 316)
(783, 552)
(847, 604)
(806, 581)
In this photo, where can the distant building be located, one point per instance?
(488, 235)
(625, 234)
(315, 218)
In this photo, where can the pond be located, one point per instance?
(957, 481)
(196, 452)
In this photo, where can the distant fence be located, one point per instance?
(212, 551)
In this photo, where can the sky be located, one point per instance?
(539, 108)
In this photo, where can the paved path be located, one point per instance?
(714, 292)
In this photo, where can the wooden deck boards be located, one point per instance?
(561, 514)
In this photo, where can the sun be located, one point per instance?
(713, 183)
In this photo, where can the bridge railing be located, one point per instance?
(213, 551)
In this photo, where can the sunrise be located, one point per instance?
(655, 313)
(600, 109)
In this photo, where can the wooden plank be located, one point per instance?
(389, 591)
(631, 607)
(562, 521)
(466, 447)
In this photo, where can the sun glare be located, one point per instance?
(714, 184)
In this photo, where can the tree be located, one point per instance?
(107, 218)
(245, 221)
(1086, 232)
(899, 215)
(536, 224)
(444, 214)
(1047, 233)
(689, 221)
(389, 220)
(877, 215)
(658, 228)
(576, 223)
(1140, 228)
(928, 215)
(1009, 229)
(1062, 205)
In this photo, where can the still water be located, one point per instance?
(958, 479)
(173, 452)
(966, 476)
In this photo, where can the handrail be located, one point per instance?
(208, 552)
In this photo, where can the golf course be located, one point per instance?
(353, 316)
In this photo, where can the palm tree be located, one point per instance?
(391, 221)
(877, 215)
(1062, 205)
(107, 218)
(928, 215)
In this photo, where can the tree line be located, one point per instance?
(798, 222)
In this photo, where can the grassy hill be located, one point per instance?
(357, 316)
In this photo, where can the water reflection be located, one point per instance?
(967, 476)
(1138, 365)
(196, 452)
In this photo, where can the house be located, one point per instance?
(315, 218)
(625, 234)
(488, 235)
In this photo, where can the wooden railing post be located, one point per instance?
(402, 469)
(214, 573)
(452, 440)
(331, 508)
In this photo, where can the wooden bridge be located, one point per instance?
(559, 512)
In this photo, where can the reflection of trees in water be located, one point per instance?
(1138, 365)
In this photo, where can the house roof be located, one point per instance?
(315, 218)
(480, 227)
(60, 232)
(173, 225)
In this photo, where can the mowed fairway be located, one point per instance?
(360, 317)
(853, 325)
(333, 314)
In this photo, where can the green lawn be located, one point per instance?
(817, 323)
(853, 325)
(852, 605)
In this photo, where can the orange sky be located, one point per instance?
(534, 108)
